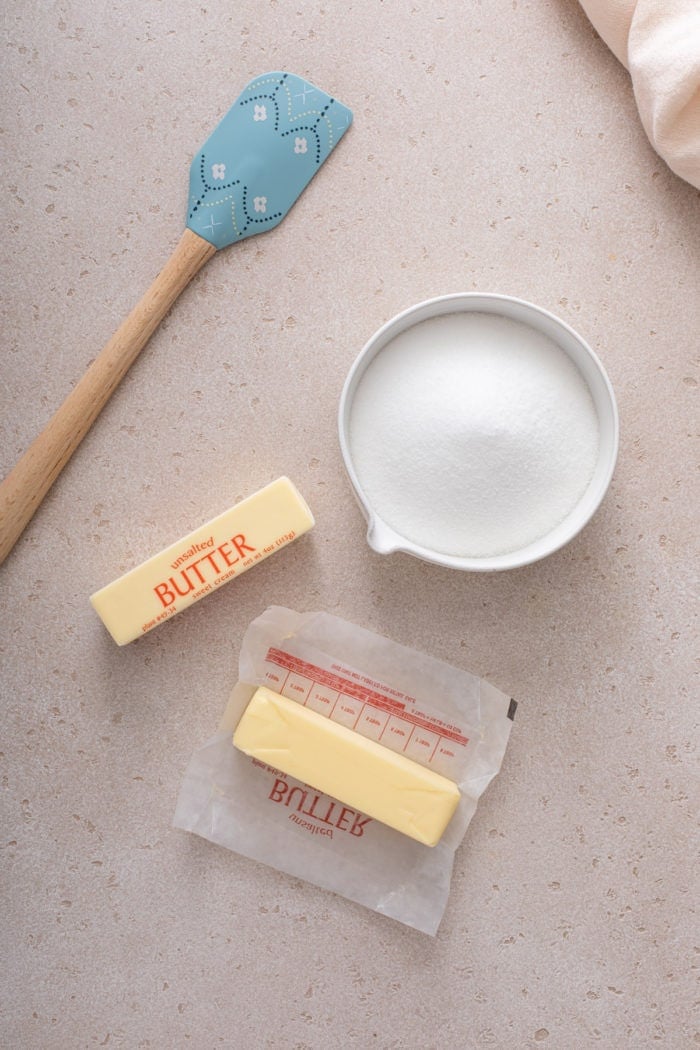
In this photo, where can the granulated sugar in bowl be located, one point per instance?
(479, 432)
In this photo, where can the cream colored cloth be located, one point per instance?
(659, 42)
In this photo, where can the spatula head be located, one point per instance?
(264, 152)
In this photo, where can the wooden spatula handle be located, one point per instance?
(26, 485)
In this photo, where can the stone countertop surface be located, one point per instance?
(496, 147)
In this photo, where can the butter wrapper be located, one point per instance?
(438, 716)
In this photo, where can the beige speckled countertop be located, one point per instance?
(496, 147)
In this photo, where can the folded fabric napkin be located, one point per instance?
(659, 42)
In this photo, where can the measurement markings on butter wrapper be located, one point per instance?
(392, 722)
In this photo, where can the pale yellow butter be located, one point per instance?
(350, 768)
(202, 561)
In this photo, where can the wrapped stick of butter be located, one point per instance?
(358, 763)
(202, 561)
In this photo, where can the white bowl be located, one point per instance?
(385, 539)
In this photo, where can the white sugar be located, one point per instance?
(473, 435)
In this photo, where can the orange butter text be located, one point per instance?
(205, 569)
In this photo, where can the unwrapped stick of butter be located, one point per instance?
(202, 561)
(349, 767)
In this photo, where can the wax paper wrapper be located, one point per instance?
(437, 715)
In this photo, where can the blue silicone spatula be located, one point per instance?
(243, 181)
